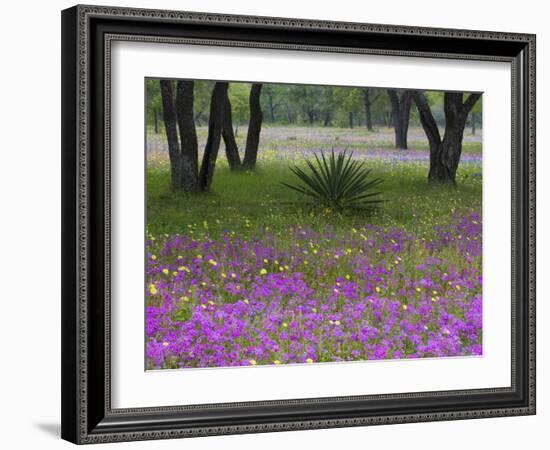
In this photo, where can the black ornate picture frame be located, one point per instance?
(87, 34)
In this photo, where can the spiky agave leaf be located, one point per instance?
(337, 182)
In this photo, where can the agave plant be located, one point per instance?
(338, 182)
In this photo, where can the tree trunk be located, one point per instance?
(327, 120)
(445, 153)
(156, 118)
(212, 147)
(368, 116)
(254, 127)
(189, 153)
(271, 108)
(350, 119)
(401, 108)
(289, 114)
(310, 116)
(170, 125)
(231, 148)
(388, 119)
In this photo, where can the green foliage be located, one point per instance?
(184, 313)
(238, 95)
(299, 104)
(337, 182)
(201, 101)
(153, 101)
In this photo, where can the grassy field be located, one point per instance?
(246, 274)
(246, 201)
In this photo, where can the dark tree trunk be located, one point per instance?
(350, 119)
(401, 109)
(271, 108)
(188, 135)
(156, 118)
(310, 116)
(212, 147)
(170, 125)
(231, 148)
(179, 115)
(388, 119)
(328, 119)
(368, 116)
(289, 116)
(445, 153)
(254, 127)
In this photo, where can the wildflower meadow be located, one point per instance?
(249, 272)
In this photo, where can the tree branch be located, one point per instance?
(426, 117)
(470, 102)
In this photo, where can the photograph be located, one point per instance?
(304, 224)
(280, 221)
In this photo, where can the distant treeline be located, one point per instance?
(307, 105)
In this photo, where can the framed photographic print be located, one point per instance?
(279, 224)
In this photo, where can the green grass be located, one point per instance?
(247, 202)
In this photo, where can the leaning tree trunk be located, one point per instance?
(170, 125)
(368, 115)
(231, 148)
(188, 135)
(212, 147)
(401, 108)
(445, 153)
(254, 127)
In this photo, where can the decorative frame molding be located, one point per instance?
(88, 31)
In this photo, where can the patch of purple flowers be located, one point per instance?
(367, 294)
